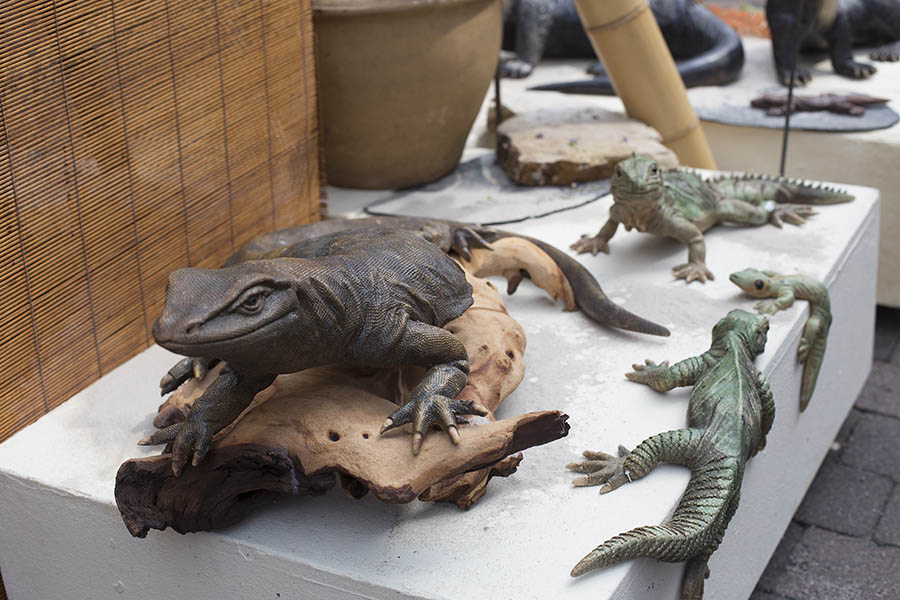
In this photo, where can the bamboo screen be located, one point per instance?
(136, 137)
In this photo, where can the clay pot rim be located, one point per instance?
(360, 7)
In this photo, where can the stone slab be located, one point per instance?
(888, 531)
(844, 499)
(61, 535)
(564, 146)
(826, 566)
(873, 446)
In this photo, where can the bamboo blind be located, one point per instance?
(136, 137)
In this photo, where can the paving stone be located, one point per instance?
(887, 332)
(874, 446)
(888, 531)
(847, 428)
(779, 561)
(831, 566)
(760, 595)
(895, 356)
(845, 499)
(881, 393)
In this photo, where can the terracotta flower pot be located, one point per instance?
(400, 84)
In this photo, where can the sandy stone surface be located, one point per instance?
(564, 146)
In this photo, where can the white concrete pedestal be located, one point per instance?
(61, 535)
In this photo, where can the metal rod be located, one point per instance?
(499, 106)
(790, 97)
(787, 118)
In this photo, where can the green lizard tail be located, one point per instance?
(589, 296)
(758, 189)
(811, 369)
(696, 527)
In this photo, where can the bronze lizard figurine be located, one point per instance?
(730, 412)
(681, 205)
(782, 290)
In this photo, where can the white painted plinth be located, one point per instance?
(849, 157)
(61, 535)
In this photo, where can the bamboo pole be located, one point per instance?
(627, 39)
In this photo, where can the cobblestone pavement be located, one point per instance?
(844, 540)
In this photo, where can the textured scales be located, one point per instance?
(781, 291)
(373, 298)
(681, 205)
(730, 412)
(369, 292)
(455, 237)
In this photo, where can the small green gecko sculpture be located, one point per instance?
(681, 205)
(730, 412)
(785, 289)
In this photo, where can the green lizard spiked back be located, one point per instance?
(781, 291)
(681, 205)
(781, 190)
(730, 412)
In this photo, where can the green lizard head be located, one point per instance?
(752, 330)
(753, 281)
(227, 313)
(637, 176)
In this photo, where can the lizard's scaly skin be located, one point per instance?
(681, 205)
(785, 289)
(451, 235)
(730, 412)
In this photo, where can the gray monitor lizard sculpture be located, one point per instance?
(352, 292)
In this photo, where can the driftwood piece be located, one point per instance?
(310, 429)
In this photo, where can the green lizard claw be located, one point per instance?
(693, 271)
(602, 469)
(769, 307)
(591, 244)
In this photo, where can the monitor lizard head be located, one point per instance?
(752, 330)
(754, 282)
(230, 313)
(637, 177)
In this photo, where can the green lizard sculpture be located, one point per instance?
(785, 289)
(337, 292)
(730, 412)
(681, 205)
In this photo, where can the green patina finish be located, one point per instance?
(730, 412)
(782, 290)
(681, 205)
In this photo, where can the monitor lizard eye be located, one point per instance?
(759, 284)
(654, 169)
(619, 170)
(252, 300)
